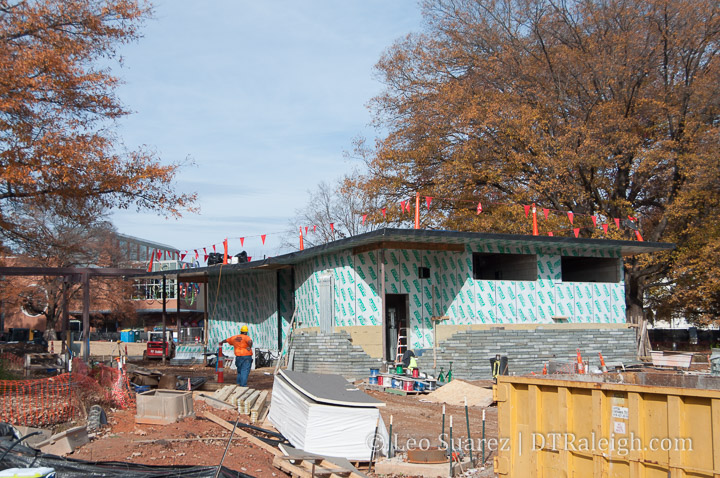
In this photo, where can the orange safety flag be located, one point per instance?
(577, 231)
(302, 244)
(527, 210)
(428, 200)
(242, 241)
(570, 216)
(479, 208)
(225, 246)
(364, 216)
(263, 238)
(546, 212)
(152, 258)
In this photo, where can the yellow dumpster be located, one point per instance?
(649, 425)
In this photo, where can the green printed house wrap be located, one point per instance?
(451, 290)
(346, 285)
(244, 299)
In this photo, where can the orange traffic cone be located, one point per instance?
(580, 365)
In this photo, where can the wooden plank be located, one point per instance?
(290, 469)
(254, 440)
(232, 399)
(249, 401)
(333, 465)
(258, 405)
(241, 399)
(224, 393)
(420, 246)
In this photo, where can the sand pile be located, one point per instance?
(455, 392)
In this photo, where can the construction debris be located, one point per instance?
(301, 464)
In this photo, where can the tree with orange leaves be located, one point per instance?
(607, 108)
(57, 107)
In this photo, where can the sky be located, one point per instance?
(264, 97)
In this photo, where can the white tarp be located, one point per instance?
(324, 429)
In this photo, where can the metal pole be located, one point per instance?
(164, 318)
(383, 319)
(467, 421)
(389, 455)
(177, 300)
(86, 316)
(451, 448)
(483, 439)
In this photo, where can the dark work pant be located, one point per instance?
(243, 364)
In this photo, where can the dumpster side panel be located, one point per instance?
(561, 428)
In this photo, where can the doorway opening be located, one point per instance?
(397, 309)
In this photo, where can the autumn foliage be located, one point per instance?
(607, 108)
(57, 107)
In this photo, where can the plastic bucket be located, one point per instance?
(396, 383)
(374, 372)
(380, 380)
(399, 369)
(373, 381)
(408, 385)
(416, 373)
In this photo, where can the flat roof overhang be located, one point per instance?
(421, 239)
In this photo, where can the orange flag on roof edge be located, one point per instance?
(527, 210)
(225, 246)
(577, 231)
(605, 228)
(402, 206)
(570, 216)
(594, 220)
(364, 216)
(479, 208)
(428, 200)
(263, 238)
(551, 234)
(617, 222)
(546, 212)
(302, 243)
(214, 248)
(242, 241)
(152, 258)
(384, 211)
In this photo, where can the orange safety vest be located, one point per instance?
(242, 345)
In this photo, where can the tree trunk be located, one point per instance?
(634, 291)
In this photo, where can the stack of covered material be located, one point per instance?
(326, 415)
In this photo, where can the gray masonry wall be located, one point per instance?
(470, 351)
(527, 350)
(331, 353)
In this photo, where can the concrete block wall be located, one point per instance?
(527, 350)
(331, 353)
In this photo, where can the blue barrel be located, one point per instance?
(374, 372)
(373, 381)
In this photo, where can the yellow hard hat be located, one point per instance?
(243, 328)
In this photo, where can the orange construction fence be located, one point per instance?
(47, 401)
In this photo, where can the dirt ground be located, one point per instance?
(199, 441)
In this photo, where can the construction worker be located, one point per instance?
(242, 344)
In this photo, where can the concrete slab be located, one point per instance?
(398, 466)
(65, 442)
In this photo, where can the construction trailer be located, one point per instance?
(459, 297)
